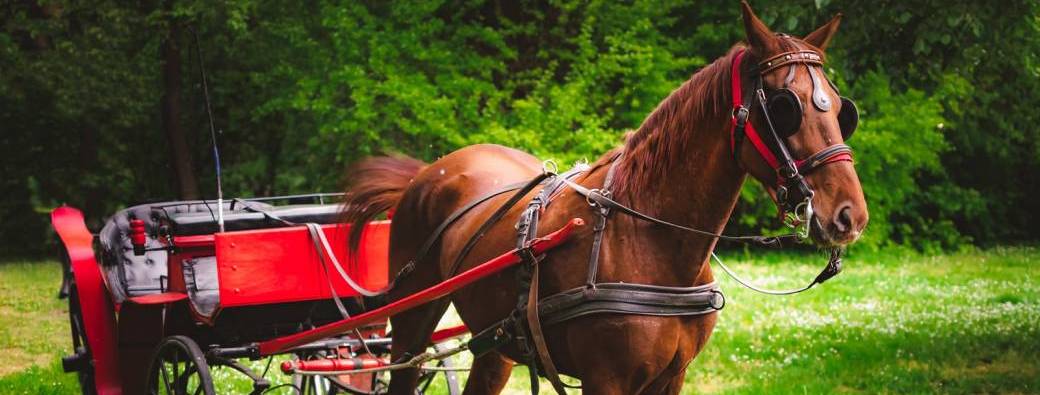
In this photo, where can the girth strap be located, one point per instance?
(625, 298)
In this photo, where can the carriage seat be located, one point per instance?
(127, 275)
(250, 215)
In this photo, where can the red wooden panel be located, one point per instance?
(281, 265)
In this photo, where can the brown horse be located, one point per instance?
(677, 166)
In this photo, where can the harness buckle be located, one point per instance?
(596, 191)
(741, 114)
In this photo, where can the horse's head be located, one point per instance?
(798, 125)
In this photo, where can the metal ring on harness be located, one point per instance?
(802, 217)
(550, 164)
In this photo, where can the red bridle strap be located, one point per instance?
(834, 153)
(749, 129)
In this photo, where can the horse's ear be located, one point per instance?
(822, 36)
(759, 37)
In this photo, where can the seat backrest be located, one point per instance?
(128, 275)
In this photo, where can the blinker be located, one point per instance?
(785, 112)
(848, 118)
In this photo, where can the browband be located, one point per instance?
(786, 58)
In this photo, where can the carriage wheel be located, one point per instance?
(179, 368)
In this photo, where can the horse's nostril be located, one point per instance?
(843, 219)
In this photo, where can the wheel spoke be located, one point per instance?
(181, 367)
(176, 365)
(166, 379)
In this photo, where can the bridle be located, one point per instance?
(782, 111)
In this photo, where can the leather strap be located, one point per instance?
(601, 225)
(595, 196)
(786, 58)
(493, 219)
(428, 244)
(625, 298)
(834, 153)
(537, 336)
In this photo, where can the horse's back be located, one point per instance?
(450, 183)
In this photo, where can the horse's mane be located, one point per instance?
(662, 139)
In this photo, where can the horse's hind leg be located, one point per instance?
(411, 335)
(489, 374)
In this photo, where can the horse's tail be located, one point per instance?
(374, 186)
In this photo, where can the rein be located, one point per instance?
(599, 199)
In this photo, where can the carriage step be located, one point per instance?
(75, 362)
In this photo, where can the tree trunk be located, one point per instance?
(180, 155)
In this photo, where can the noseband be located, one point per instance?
(783, 112)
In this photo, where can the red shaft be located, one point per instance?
(448, 333)
(539, 246)
(333, 365)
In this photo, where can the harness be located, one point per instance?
(523, 327)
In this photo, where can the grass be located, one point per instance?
(34, 330)
(891, 323)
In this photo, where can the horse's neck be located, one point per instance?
(699, 191)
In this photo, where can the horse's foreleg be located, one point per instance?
(411, 336)
(489, 374)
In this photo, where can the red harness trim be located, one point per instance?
(749, 129)
(840, 157)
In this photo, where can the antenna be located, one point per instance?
(212, 129)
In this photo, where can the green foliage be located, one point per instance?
(898, 146)
(301, 90)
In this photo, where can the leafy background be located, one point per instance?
(947, 149)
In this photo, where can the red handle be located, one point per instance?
(137, 237)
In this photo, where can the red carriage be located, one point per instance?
(161, 294)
